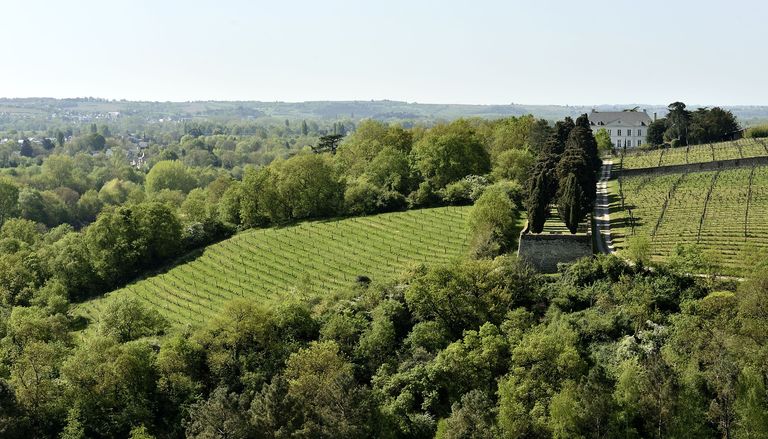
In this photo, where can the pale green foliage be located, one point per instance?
(128, 319)
(473, 418)
(544, 359)
(140, 433)
(450, 152)
(170, 174)
(194, 207)
(565, 412)
(9, 196)
(74, 429)
(34, 375)
(117, 191)
(22, 229)
(639, 249)
(493, 222)
(323, 386)
(372, 149)
(513, 164)
(511, 133)
(692, 259)
(604, 144)
(111, 383)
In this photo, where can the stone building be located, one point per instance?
(627, 128)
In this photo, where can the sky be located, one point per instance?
(472, 52)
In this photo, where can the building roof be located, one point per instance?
(621, 118)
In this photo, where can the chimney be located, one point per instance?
(654, 116)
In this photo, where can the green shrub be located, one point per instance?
(465, 191)
(424, 196)
(493, 223)
(758, 132)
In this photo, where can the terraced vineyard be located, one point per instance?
(721, 211)
(743, 148)
(313, 257)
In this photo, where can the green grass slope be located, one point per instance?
(726, 213)
(743, 148)
(269, 265)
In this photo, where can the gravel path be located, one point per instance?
(603, 212)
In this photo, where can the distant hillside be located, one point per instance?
(319, 257)
(382, 110)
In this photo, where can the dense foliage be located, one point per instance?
(122, 208)
(481, 348)
(565, 174)
(683, 127)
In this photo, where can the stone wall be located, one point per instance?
(545, 251)
(697, 167)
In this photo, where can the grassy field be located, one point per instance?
(270, 265)
(723, 212)
(743, 148)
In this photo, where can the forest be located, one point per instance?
(479, 347)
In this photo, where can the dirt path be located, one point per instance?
(603, 211)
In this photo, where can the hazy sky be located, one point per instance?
(483, 52)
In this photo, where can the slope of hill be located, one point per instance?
(744, 148)
(724, 212)
(268, 265)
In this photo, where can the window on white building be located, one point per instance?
(618, 143)
(619, 132)
(639, 142)
(639, 132)
(627, 143)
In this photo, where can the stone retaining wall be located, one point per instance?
(545, 251)
(696, 167)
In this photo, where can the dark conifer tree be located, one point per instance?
(26, 149)
(589, 143)
(556, 143)
(570, 202)
(577, 188)
(542, 187)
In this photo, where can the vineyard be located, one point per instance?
(722, 211)
(270, 265)
(738, 149)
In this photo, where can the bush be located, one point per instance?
(758, 132)
(126, 319)
(360, 197)
(208, 231)
(513, 164)
(172, 175)
(514, 191)
(492, 222)
(639, 249)
(465, 191)
(424, 196)
(363, 197)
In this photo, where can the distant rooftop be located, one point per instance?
(623, 118)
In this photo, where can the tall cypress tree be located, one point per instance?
(588, 142)
(577, 188)
(542, 186)
(556, 143)
(570, 202)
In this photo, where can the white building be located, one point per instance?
(627, 128)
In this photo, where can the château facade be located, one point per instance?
(627, 128)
